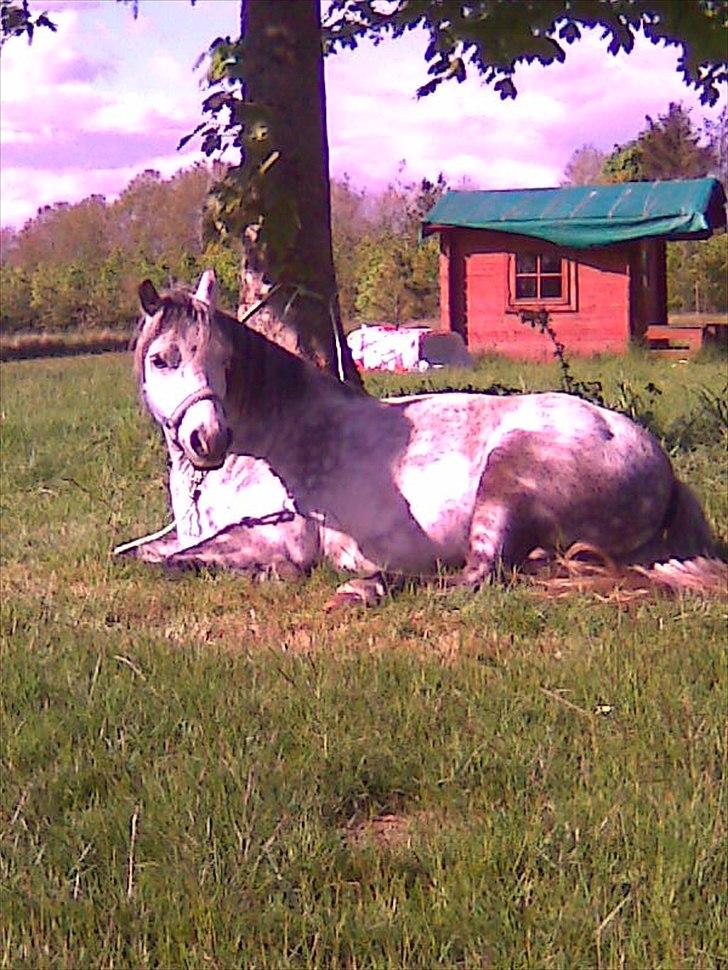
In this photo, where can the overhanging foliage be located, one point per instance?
(492, 37)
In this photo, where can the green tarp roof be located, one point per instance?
(588, 215)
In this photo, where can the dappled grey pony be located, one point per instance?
(276, 466)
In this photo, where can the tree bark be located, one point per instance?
(284, 74)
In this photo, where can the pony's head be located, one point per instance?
(181, 359)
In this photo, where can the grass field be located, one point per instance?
(202, 772)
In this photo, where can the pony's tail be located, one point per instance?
(584, 568)
(705, 575)
(686, 555)
(685, 533)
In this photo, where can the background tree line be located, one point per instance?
(78, 266)
(671, 147)
(266, 98)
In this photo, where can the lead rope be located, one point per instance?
(195, 482)
(302, 291)
(337, 340)
(251, 311)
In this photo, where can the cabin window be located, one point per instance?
(539, 276)
(537, 279)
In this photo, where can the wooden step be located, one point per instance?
(685, 340)
(663, 336)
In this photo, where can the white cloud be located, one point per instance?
(467, 130)
(77, 129)
(36, 109)
(133, 113)
(52, 185)
(87, 108)
(12, 135)
(27, 70)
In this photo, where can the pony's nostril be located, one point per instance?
(196, 444)
(209, 447)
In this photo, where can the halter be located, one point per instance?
(173, 422)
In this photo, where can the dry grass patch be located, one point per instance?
(585, 569)
(25, 346)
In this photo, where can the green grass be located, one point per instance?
(190, 765)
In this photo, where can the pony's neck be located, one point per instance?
(267, 383)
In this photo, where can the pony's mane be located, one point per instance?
(263, 376)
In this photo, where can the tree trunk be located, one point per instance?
(284, 74)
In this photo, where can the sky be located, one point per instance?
(85, 109)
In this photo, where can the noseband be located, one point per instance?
(175, 419)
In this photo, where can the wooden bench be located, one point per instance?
(667, 341)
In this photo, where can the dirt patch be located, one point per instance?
(386, 831)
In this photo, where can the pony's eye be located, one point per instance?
(169, 359)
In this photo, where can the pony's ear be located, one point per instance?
(205, 291)
(150, 299)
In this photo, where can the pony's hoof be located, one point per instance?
(278, 572)
(357, 592)
(342, 601)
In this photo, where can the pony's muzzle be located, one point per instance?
(210, 449)
(205, 435)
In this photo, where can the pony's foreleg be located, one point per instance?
(261, 552)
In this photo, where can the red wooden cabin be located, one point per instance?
(592, 256)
